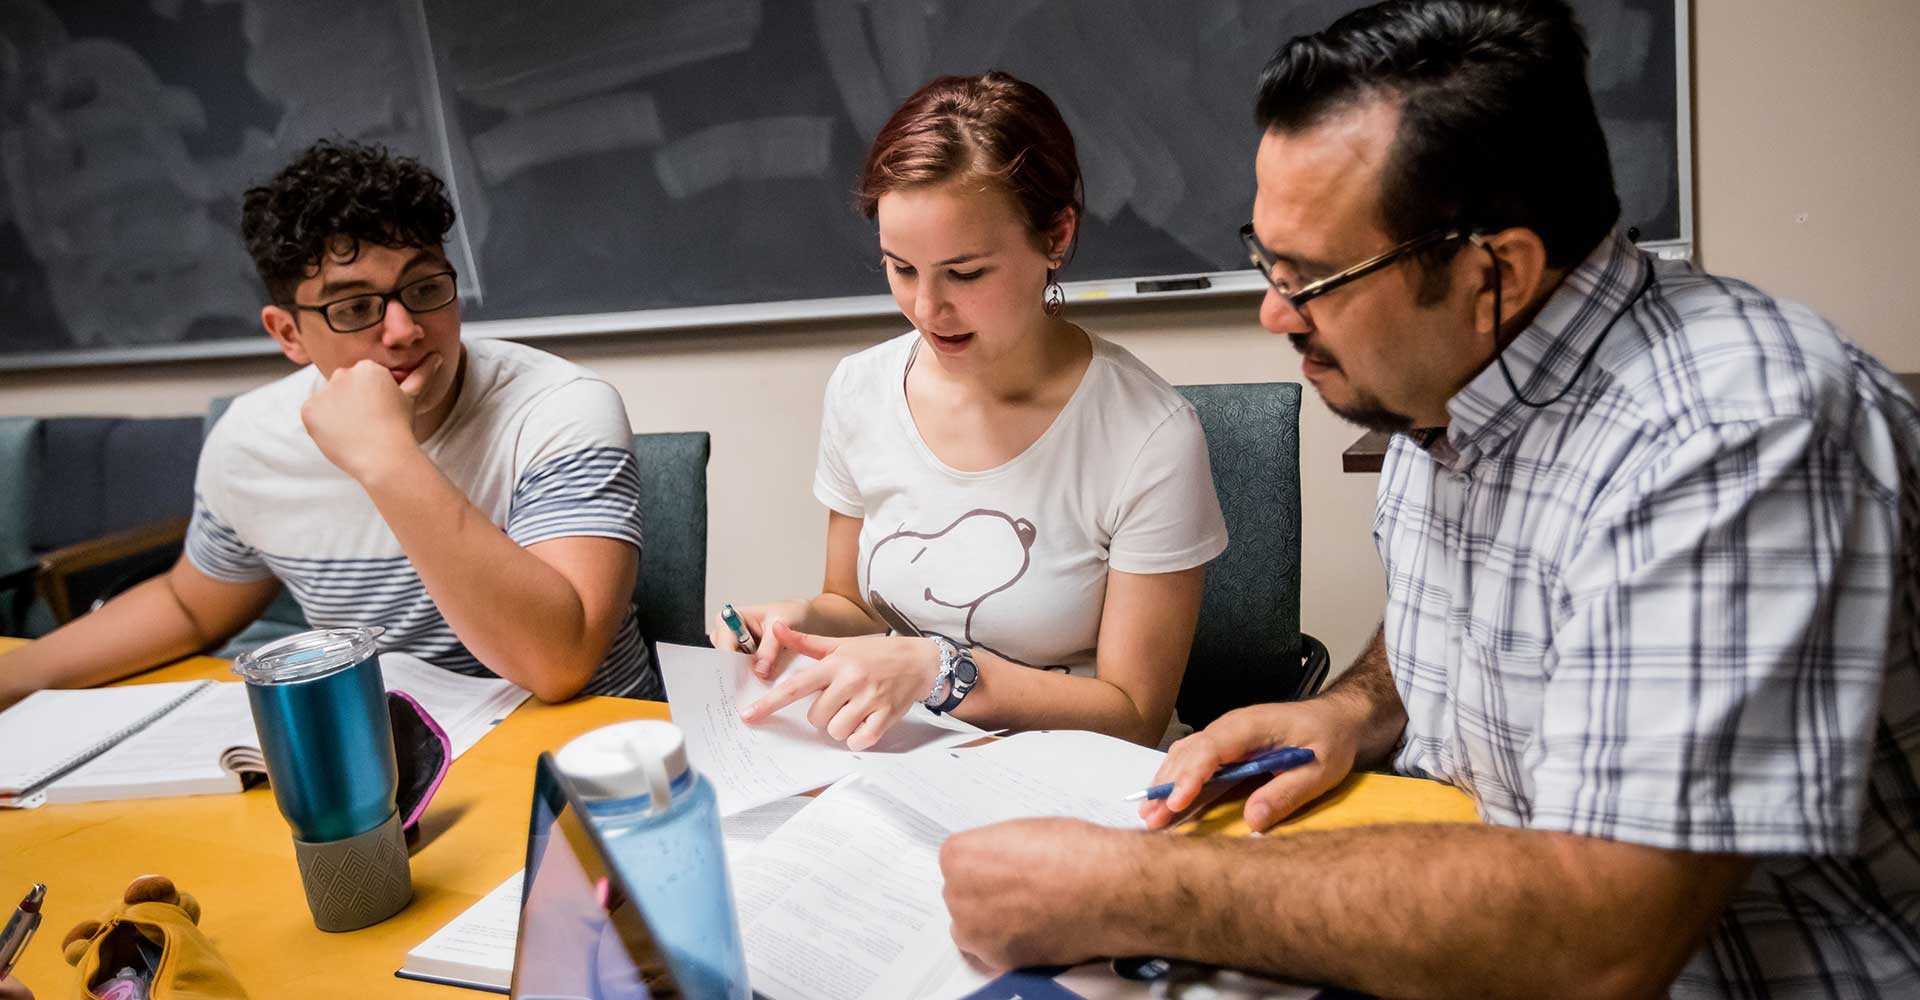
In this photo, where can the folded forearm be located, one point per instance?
(515, 613)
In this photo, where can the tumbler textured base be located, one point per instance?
(359, 881)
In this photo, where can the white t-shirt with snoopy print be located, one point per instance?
(1014, 559)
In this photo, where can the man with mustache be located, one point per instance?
(478, 500)
(1650, 538)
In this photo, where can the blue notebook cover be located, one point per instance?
(1025, 984)
(1038, 984)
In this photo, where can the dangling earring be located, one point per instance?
(1056, 296)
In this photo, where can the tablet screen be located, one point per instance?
(581, 936)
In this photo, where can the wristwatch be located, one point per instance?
(957, 676)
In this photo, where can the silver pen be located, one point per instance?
(20, 927)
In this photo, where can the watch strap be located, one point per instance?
(937, 695)
(965, 677)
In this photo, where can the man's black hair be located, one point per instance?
(334, 198)
(1497, 124)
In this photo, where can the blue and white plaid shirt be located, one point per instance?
(1681, 607)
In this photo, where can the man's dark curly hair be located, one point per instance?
(332, 199)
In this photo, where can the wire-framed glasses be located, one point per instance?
(1267, 264)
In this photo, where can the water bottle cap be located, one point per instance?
(308, 655)
(627, 760)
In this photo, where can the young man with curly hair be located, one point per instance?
(477, 500)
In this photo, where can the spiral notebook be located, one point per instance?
(50, 735)
(193, 737)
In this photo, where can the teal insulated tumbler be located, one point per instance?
(321, 712)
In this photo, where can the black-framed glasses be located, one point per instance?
(1265, 262)
(359, 312)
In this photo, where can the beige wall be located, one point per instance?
(1807, 138)
(1807, 146)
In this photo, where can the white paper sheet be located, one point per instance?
(753, 765)
(742, 832)
(466, 707)
(1072, 774)
(844, 900)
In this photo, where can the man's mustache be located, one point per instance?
(1303, 343)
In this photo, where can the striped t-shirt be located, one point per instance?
(539, 445)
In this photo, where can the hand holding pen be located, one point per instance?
(750, 630)
(1270, 762)
(1327, 726)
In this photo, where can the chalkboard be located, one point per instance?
(626, 165)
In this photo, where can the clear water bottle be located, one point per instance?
(661, 823)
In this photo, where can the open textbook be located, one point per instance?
(192, 737)
(474, 949)
(751, 766)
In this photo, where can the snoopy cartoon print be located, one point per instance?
(957, 568)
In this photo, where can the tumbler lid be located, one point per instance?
(308, 655)
(627, 760)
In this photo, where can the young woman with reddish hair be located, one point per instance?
(1006, 491)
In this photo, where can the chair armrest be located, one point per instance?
(1314, 663)
(58, 566)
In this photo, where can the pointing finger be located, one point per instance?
(792, 688)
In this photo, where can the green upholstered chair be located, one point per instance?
(671, 593)
(18, 474)
(1248, 648)
(96, 504)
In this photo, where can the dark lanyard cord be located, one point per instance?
(1500, 351)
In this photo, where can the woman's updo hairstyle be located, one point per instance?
(993, 127)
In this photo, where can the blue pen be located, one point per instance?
(741, 636)
(1270, 762)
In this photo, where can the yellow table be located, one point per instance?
(234, 852)
(1361, 800)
